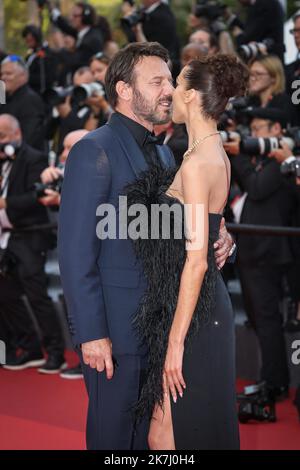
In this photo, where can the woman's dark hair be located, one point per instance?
(122, 66)
(218, 78)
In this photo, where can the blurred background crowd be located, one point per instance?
(53, 67)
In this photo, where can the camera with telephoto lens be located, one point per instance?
(291, 167)
(255, 146)
(209, 9)
(138, 16)
(250, 51)
(237, 110)
(57, 95)
(257, 403)
(263, 146)
(81, 93)
(55, 185)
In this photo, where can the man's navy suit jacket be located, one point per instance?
(102, 279)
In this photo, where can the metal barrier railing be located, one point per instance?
(263, 230)
(234, 228)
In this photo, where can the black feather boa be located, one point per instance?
(162, 261)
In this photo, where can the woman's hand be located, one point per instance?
(173, 368)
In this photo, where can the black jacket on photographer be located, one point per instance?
(264, 259)
(280, 101)
(87, 45)
(23, 208)
(42, 67)
(270, 201)
(59, 127)
(28, 250)
(27, 106)
(265, 20)
(160, 26)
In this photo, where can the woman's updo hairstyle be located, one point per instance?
(218, 78)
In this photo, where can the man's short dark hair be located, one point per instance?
(35, 31)
(122, 66)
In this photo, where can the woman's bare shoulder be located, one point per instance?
(198, 163)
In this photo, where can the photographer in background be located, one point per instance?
(190, 52)
(22, 102)
(155, 21)
(262, 261)
(205, 38)
(209, 14)
(102, 110)
(83, 27)
(49, 178)
(41, 60)
(26, 250)
(265, 19)
(54, 173)
(267, 84)
(290, 168)
(75, 107)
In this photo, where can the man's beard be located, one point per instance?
(142, 108)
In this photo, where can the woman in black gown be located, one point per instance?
(186, 317)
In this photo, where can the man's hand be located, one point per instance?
(236, 31)
(98, 103)
(2, 203)
(52, 198)
(282, 153)
(223, 246)
(98, 355)
(50, 174)
(232, 147)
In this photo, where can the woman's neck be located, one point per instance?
(198, 128)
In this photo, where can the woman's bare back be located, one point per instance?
(218, 167)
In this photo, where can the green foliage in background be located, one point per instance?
(15, 20)
(16, 17)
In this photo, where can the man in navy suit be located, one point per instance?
(102, 279)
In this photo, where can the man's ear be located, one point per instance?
(276, 128)
(124, 90)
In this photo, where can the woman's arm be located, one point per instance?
(196, 181)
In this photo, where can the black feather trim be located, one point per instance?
(163, 261)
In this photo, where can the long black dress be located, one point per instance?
(206, 417)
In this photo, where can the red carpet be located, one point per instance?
(47, 412)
